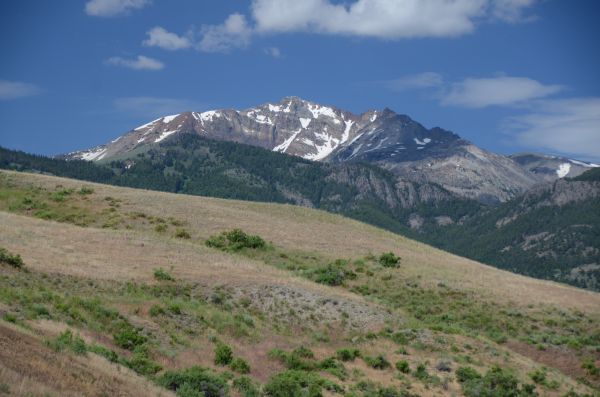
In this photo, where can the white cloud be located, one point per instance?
(147, 106)
(415, 81)
(160, 37)
(390, 19)
(139, 63)
(569, 126)
(495, 91)
(383, 19)
(232, 33)
(273, 52)
(111, 8)
(16, 89)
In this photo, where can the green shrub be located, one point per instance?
(175, 308)
(303, 352)
(141, 362)
(85, 190)
(104, 352)
(333, 274)
(590, 366)
(156, 310)
(223, 354)
(538, 376)
(13, 260)
(240, 366)
(496, 382)
(377, 362)
(389, 259)
(187, 390)
(235, 240)
(403, 366)
(67, 340)
(347, 354)
(182, 233)
(197, 379)
(40, 310)
(11, 318)
(301, 358)
(246, 387)
(160, 228)
(128, 337)
(464, 374)
(294, 383)
(162, 274)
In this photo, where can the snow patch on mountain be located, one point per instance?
(141, 127)
(324, 150)
(209, 115)
(97, 154)
(563, 170)
(305, 122)
(286, 144)
(346, 134)
(168, 119)
(423, 142)
(164, 135)
(317, 111)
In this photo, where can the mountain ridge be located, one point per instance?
(316, 132)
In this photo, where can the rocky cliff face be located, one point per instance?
(323, 133)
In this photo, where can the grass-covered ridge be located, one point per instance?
(288, 299)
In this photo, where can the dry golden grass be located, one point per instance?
(123, 255)
(31, 368)
(126, 255)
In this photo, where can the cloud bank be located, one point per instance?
(381, 19)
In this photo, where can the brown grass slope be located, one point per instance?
(119, 244)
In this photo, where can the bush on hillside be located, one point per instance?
(347, 354)
(240, 366)
(202, 380)
(235, 240)
(223, 354)
(389, 259)
(377, 362)
(162, 275)
(496, 382)
(293, 383)
(13, 260)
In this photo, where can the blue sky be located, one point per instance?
(509, 75)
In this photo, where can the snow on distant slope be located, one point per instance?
(563, 170)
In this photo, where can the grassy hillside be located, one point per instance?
(120, 284)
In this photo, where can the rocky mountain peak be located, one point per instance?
(318, 132)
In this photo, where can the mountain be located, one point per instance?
(323, 133)
(409, 150)
(550, 168)
(552, 232)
